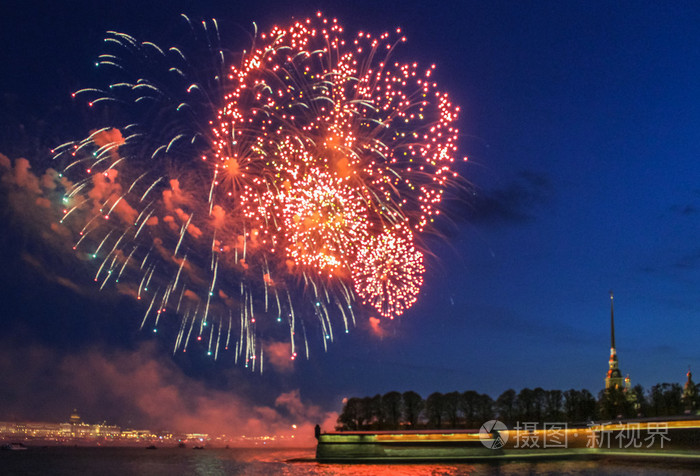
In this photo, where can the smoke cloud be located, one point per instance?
(143, 389)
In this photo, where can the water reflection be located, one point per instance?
(214, 462)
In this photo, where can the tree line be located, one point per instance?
(470, 409)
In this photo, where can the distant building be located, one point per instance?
(74, 417)
(690, 394)
(73, 430)
(614, 377)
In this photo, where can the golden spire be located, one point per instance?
(612, 322)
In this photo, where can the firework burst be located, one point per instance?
(305, 168)
(389, 272)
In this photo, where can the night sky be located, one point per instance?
(580, 121)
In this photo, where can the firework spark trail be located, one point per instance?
(307, 167)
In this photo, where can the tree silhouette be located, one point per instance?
(641, 407)
(413, 405)
(350, 418)
(553, 406)
(435, 409)
(505, 406)
(666, 399)
(392, 404)
(525, 403)
(579, 406)
(571, 405)
(540, 401)
(451, 405)
(367, 412)
(484, 409)
(393, 409)
(587, 405)
(613, 403)
(470, 405)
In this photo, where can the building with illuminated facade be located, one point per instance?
(73, 430)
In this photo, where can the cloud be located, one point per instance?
(143, 389)
(375, 325)
(218, 215)
(23, 178)
(28, 200)
(175, 196)
(515, 203)
(194, 231)
(109, 138)
(5, 162)
(279, 356)
(29, 197)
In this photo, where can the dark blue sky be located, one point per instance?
(580, 120)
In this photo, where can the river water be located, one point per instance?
(175, 461)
